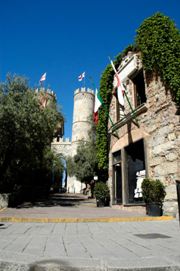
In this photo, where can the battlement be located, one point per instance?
(43, 90)
(62, 140)
(82, 90)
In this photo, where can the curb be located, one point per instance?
(84, 220)
(2, 209)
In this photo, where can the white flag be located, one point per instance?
(43, 77)
(81, 76)
(120, 89)
(118, 85)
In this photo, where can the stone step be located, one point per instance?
(131, 208)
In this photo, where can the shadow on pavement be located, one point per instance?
(54, 265)
(3, 226)
(64, 200)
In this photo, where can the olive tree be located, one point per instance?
(26, 132)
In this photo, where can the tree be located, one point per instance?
(70, 165)
(26, 131)
(84, 164)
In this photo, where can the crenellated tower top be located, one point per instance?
(83, 90)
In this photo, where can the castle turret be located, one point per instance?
(82, 114)
(82, 124)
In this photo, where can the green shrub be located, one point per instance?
(153, 191)
(101, 192)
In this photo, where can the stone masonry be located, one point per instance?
(159, 126)
(82, 121)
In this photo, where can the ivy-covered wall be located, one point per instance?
(158, 40)
(102, 127)
(106, 86)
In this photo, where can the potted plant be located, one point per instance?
(153, 192)
(102, 194)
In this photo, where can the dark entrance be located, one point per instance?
(135, 163)
(139, 89)
(117, 178)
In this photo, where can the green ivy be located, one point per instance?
(106, 86)
(101, 130)
(158, 40)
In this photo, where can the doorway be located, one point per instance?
(117, 178)
(135, 162)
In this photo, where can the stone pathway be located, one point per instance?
(63, 245)
(70, 208)
(90, 246)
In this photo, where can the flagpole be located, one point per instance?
(103, 104)
(107, 114)
(91, 81)
(43, 78)
(124, 91)
(84, 82)
(132, 110)
(112, 65)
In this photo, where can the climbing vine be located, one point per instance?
(101, 130)
(158, 40)
(106, 86)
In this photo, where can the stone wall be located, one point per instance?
(74, 186)
(159, 126)
(4, 199)
(66, 148)
(163, 125)
(63, 146)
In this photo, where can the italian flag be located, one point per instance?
(118, 85)
(97, 104)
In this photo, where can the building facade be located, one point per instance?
(144, 142)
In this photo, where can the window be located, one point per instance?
(116, 157)
(139, 89)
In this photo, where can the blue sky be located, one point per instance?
(67, 37)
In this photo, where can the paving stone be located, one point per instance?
(151, 245)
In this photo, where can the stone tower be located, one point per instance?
(82, 123)
(82, 114)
